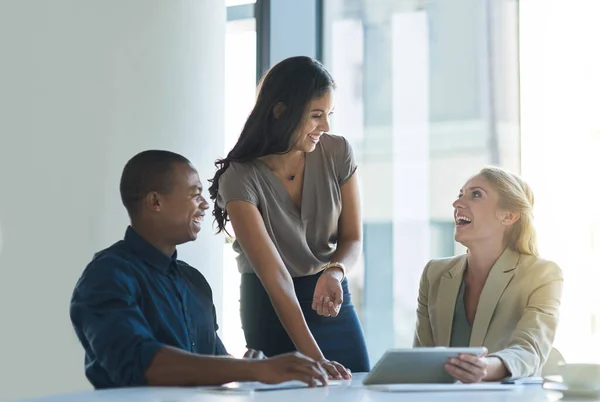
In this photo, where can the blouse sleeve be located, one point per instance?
(236, 184)
(344, 160)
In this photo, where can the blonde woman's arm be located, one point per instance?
(423, 332)
(532, 339)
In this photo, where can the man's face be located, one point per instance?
(182, 209)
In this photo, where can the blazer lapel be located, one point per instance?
(497, 281)
(446, 300)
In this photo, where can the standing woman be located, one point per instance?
(290, 192)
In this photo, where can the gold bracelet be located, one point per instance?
(336, 265)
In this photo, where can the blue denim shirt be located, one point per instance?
(132, 300)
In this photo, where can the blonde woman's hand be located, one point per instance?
(468, 368)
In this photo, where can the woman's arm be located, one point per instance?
(252, 236)
(423, 332)
(532, 339)
(530, 342)
(348, 249)
(349, 244)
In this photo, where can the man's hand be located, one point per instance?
(288, 367)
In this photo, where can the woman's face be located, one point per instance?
(314, 123)
(478, 217)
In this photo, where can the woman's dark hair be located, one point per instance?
(293, 82)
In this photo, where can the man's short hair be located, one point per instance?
(146, 172)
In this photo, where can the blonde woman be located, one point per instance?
(500, 294)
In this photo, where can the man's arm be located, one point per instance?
(172, 366)
(175, 367)
(106, 316)
(110, 324)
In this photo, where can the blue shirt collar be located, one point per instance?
(147, 252)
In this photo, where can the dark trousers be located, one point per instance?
(340, 338)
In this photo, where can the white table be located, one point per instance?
(349, 392)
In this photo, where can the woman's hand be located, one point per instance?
(335, 371)
(254, 354)
(328, 296)
(289, 366)
(468, 368)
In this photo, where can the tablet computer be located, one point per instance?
(416, 365)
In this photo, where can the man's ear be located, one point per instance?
(279, 109)
(153, 201)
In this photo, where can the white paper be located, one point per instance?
(258, 386)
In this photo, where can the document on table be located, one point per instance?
(258, 386)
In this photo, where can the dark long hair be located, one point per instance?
(293, 82)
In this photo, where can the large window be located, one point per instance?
(240, 87)
(427, 94)
(259, 34)
(560, 93)
(429, 91)
(231, 3)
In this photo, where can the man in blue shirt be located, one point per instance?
(146, 318)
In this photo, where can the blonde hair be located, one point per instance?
(515, 196)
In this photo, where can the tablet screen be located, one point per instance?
(416, 365)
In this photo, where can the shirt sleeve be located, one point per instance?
(220, 348)
(344, 160)
(235, 184)
(108, 320)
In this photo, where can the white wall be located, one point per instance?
(84, 85)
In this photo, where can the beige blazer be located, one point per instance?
(517, 314)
